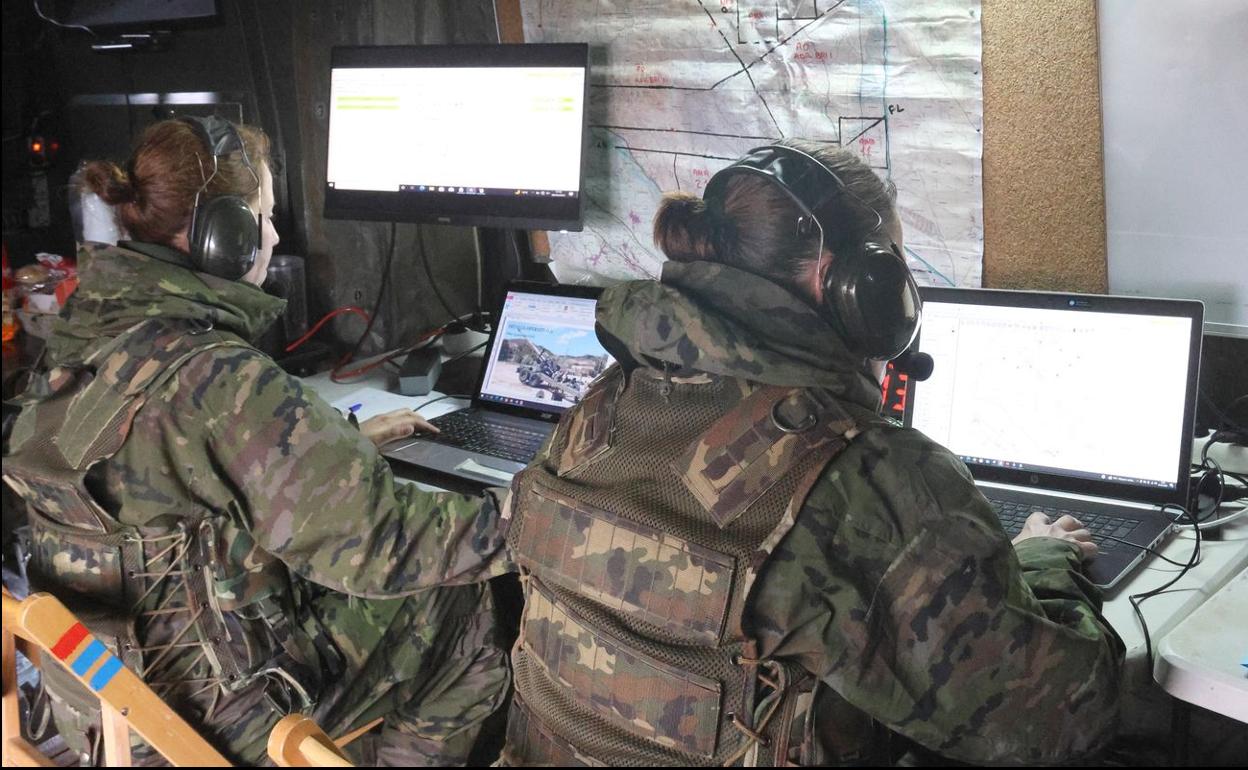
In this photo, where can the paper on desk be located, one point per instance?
(375, 401)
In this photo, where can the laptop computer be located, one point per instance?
(541, 356)
(1066, 403)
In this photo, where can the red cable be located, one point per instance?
(336, 312)
(339, 376)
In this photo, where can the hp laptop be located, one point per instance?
(1066, 403)
(541, 357)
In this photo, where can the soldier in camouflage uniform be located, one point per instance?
(239, 544)
(730, 557)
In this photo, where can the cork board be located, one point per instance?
(1044, 184)
(1044, 188)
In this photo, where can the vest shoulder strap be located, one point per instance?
(756, 443)
(139, 361)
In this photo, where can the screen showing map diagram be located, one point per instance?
(1027, 388)
(681, 88)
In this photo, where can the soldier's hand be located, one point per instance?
(401, 423)
(1066, 528)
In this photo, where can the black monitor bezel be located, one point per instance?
(527, 287)
(521, 212)
(1190, 309)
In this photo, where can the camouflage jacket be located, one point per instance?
(896, 585)
(233, 435)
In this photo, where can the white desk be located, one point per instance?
(380, 394)
(1145, 708)
(1200, 661)
(377, 392)
(1221, 560)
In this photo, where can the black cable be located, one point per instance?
(418, 407)
(464, 354)
(424, 260)
(1144, 548)
(1137, 599)
(1206, 462)
(381, 293)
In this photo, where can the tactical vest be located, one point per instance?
(197, 584)
(638, 548)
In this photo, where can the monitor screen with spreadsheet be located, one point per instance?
(1098, 390)
(460, 134)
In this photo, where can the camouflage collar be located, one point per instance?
(121, 285)
(714, 318)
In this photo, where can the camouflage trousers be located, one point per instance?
(427, 665)
(435, 675)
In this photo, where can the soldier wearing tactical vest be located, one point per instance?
(241, 546)
(730, 557)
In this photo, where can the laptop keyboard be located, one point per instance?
(467, 429)
(1103, 527)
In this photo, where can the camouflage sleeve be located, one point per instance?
(915, 608)
(318, 495)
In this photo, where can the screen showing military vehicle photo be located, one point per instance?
(545, 353)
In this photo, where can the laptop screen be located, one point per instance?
(545, 352)
(1063, 391)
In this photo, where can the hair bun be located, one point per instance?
(110, 182)
(682, 206)
(686, 228)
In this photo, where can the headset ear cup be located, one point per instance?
(872, 294)
(224, 238)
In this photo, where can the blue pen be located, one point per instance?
(351, 418)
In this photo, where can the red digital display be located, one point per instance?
(895, 388)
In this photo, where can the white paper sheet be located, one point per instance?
(375, 401)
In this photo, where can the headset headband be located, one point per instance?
(220, 137)
(802, 177)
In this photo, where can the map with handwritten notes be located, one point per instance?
(680, 88)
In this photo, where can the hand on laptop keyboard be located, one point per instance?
(1065, 528)
(400, 423)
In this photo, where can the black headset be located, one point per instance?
(868, 291)
(225, 233)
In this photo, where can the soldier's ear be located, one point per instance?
(819, 276)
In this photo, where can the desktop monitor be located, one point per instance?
(489, 135)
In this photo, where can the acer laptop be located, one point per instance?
(542, 355)
(1066, 403)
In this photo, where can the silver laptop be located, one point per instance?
(1066, 403)
(541, 357)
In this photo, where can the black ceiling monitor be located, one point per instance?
(489, 135)
(127, 13)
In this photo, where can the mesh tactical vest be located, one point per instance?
(197, 584)
(639, 540)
